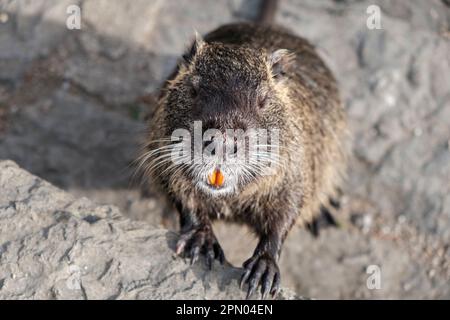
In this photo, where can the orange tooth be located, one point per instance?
(216, 178)
(212, 178)
(219, 178)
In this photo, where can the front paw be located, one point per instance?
(261, 269)
(200, 240)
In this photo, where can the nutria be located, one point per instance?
(249, 76)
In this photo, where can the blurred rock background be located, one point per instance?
(73, 104)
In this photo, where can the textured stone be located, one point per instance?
(53, 246)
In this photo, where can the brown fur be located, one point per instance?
(305, 105)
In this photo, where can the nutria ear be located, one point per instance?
(280, 61)
(194, 49)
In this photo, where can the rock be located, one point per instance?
(76, 144)
(53, 246)
(26, 34)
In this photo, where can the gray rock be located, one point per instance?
(76, 144)
(53, 246)
(26, 34)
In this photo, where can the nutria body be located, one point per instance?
(247, 76)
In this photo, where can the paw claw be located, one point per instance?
(244, 278)
(276, 285)
(264, 295)
(195, 252)
(249, 293)
(180, 247)
(266, 285)
(209, 259)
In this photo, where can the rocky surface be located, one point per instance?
(54, 246)
(72, 104)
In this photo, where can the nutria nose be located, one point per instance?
(230, 151)
(208, 143)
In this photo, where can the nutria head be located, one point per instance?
(226, 105)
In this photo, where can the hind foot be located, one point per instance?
(324, 220)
